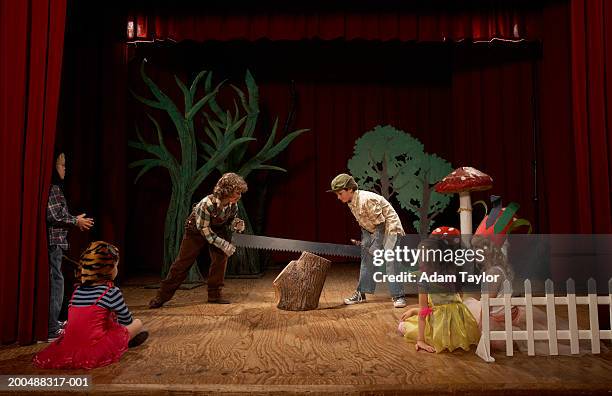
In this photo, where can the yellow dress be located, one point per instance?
(451, 325)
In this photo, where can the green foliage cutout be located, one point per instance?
(394, 164)
(228, 134)
(223, 126)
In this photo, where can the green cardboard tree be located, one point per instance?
(227, 126)
(223, 148)
(394, 164)
(185, 173)
(415, 190)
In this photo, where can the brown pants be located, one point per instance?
(192, 244)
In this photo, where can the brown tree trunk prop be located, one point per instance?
(298, 287)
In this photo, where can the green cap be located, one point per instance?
(341, 182)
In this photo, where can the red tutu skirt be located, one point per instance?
(92, 338)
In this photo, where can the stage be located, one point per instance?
(251, 347)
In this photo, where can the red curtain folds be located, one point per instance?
(591, 30)
(491, 125)
(430, 21)
(31, 47)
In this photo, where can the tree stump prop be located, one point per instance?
(298, 287)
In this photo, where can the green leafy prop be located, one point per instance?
(225, 150)
(185, 173)
(394, 163)
(227, 126)
(499, 217)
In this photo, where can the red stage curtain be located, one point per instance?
(491, 125)
(389, 20)
(591, 66)
(31, 44)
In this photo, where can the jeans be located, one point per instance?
(367, 269)
(56, 287)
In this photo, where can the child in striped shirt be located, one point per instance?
(100, 327)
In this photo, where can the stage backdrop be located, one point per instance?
(472, 103)
(455, 109)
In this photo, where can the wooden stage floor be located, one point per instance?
(251, 347)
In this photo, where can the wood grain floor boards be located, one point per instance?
(251, 347)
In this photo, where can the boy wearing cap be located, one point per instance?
(380, 229)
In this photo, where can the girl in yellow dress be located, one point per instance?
(440, 321)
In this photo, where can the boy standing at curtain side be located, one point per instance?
(59, 220)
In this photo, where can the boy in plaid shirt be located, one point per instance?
(59, 220)
(210, 225)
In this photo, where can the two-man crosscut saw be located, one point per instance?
(293, 245)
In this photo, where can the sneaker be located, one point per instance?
(54, 336)
(399, 302)
(357, 298)
(138, 339)
(62, 325)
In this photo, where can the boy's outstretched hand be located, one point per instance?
(238, 225)
(84, 223)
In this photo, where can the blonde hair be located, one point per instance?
(229, 184)
(61, 159)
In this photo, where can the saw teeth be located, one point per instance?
(297, 246)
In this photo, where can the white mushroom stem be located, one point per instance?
(465, 215)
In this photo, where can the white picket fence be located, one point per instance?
(552, 334)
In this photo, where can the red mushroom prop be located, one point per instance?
(450, 234)
(463, 181)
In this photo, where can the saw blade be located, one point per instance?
(293, 245)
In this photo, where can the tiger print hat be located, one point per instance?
(98, 262)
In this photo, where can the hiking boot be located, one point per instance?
(357, 298)
(218, 300)
(155, 303)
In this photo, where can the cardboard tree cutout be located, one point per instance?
(225, 150)
(185, 173)
(394, 164)
(227, 126)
